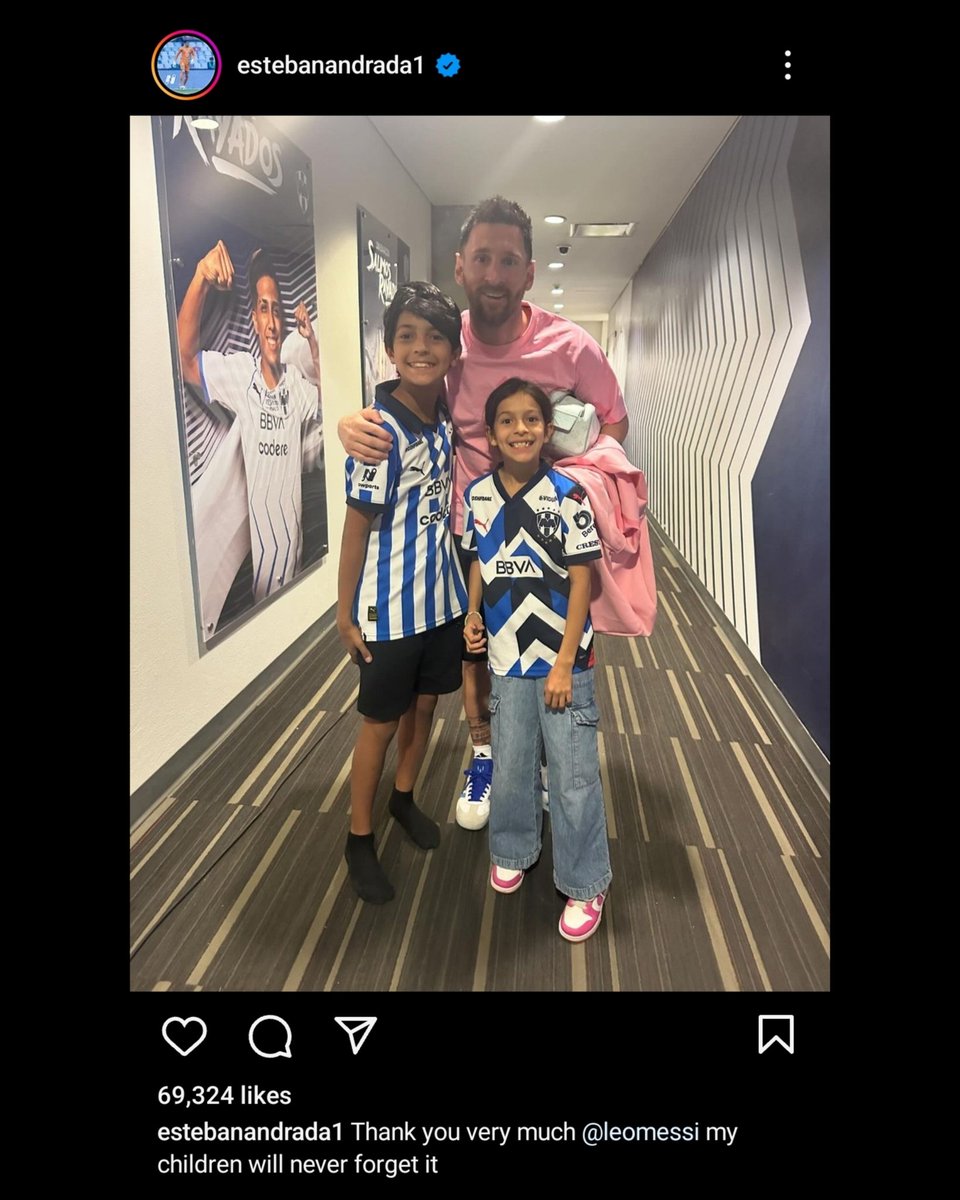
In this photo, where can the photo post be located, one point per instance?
(480, 611)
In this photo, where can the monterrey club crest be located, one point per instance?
(548, 522)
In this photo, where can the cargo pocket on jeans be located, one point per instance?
(584, 754)
(588, 715)
(494, 709)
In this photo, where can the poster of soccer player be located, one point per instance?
(236, 214)
(384, 264)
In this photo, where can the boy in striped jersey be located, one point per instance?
(401, 590)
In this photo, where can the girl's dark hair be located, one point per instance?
(426, 301)
(510, 387)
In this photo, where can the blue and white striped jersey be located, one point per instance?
(525, 543)
(411, 579)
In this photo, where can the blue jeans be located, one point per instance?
(520, 722)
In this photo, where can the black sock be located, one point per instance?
(425, 833)
(366, 874)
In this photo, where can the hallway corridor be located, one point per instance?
(719, 839)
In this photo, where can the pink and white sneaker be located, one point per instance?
(581, 918)
(502, 879)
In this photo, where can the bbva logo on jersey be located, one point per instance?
(519, 566)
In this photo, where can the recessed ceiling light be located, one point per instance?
(554, 266)
(205, 123)
(557, 291)
(549, 120)
(558, 307)
(604, 229)
(554, 220)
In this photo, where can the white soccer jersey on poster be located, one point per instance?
(411, 579)
(271, 424)
(525, 543)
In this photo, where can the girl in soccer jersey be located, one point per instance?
(531, 534)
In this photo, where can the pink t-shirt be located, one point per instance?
(551, 352)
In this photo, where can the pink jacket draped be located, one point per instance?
(623, 593)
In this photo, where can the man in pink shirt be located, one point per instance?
(503, 336)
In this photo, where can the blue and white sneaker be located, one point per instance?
(473, 807)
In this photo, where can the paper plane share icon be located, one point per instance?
(357, 1029)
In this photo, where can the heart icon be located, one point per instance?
(175, 1032)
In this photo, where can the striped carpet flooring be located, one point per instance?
(718, 834)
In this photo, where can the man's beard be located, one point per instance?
(492, 313)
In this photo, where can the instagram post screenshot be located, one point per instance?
(479, 726)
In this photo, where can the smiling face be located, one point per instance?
(494, 271)
(519, 431)
(421, 354)
(268, 326)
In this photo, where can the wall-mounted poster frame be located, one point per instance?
(384, 263)
(237, 229)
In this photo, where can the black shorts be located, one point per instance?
(465, 561)
(425, 664)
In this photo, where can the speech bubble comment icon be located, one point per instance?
(178, 1032)
(269, 1036)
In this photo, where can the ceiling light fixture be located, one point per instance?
(557, 291)
(554, 220)
(604, 229)
(554, 266)
(558, 307)
(549, 120)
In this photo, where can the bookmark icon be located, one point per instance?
(775, 1030)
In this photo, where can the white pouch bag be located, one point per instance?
(576, 425)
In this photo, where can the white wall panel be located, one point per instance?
(719, 318)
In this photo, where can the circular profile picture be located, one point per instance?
(186, 65)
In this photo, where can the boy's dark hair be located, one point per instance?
(260, 264)
(426, 301)
(498, 211)
(510, 387)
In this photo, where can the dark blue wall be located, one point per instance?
(791, 487)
